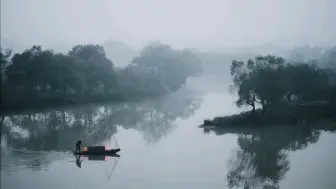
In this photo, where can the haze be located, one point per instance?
(183, 23)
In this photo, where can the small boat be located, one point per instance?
(97, 150)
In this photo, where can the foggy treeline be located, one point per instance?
(88, 71)
(85, 74)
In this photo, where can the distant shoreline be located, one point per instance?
(18, 105)
(281, 115)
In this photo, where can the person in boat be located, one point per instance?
(78, 146)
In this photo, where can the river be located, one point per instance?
(162, 147)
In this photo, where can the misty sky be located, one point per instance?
(199, 23)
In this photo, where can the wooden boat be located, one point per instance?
(97, 150)
(106, 152)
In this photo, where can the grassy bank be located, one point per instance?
(277, 115)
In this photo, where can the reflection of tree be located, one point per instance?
(261, 160)
(156, 116)
(59, 129)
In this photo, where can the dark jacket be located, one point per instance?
(79, 144)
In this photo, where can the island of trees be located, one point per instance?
(281, 91)
(38, 77)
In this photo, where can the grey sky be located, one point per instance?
(199, 23)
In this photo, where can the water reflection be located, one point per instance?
(114, 158)
(33, 136)
(78, 162)
(261, 161)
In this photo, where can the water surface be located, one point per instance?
(161, 147)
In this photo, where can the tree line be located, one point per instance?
(271, 81)
(44, 76)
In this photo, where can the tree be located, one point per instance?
(308, 82)
(98, 69)
(65, 75)
(254, 78)
(268, 80)
(4, 62)
(163, 67)
(39, 73)
(29, 70)
(246, 95)
(4, 59)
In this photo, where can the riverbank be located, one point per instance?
(280, 115)
(17, 104)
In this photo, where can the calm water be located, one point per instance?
(161, 147)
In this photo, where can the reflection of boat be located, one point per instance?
(97, 157)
